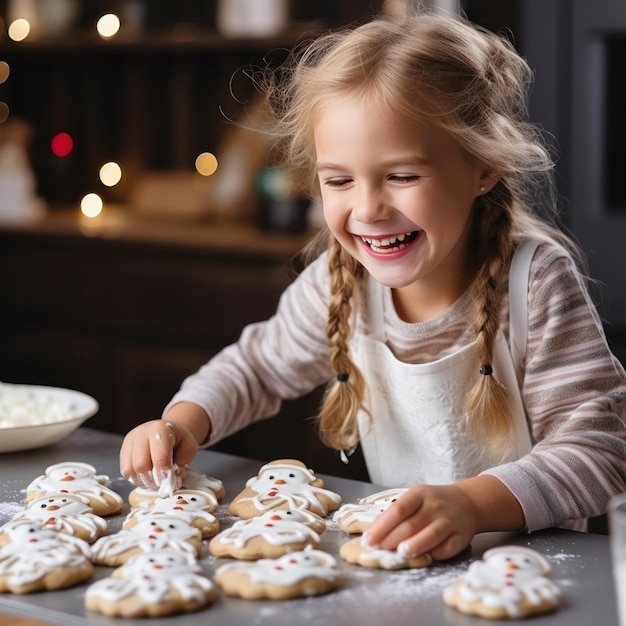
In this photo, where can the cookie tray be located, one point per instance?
(580, 561)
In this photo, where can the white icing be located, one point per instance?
(197, 480)
(188, 505)
(169, 484)
(505, 577)
(153, 577)
(275, 527)
(35, 552)
(194, 479)
(151, 533)
(289, 569)
(21, 406)
(75, 477)
(388, 559)
(63, 513)
(367, 509)
(284, 483)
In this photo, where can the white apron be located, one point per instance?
(417, 433)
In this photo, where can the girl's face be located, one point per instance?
(398, 196)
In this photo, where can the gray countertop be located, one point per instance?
(580, 561)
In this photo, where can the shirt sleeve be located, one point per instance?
(574, 391)
(283, 357)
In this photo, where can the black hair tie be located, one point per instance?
(486, 369)
(343, 377)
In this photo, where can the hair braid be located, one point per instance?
(488, 410)
(337, 419)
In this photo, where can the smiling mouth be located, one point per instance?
(391, 244)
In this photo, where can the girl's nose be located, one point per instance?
(369, 206)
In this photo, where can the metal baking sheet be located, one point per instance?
(581, 562)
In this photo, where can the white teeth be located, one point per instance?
(383, 243)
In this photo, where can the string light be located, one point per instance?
(108, 25)
(91, 205)
(19, 29)
(5, 70)
(62, 144)
(206, 164)
(110, 174)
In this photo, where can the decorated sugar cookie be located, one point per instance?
(38, 559)
(193, 507)
(509, 582)
(162, 582)
(284, 484)
(64, 512)
(356, 518)
(354, 552)
(194, 479)
(77, 478)
(269, 535)
(159, 532)
(297, 574)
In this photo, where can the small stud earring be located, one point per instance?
(482, 189)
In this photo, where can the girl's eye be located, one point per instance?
(403, 178)
(337, 183)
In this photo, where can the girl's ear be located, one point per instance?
(486, 181)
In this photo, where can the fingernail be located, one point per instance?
(164, 474)
(146, 481)
(365, 541)
(404, 550)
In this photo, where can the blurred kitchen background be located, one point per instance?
(140, 229)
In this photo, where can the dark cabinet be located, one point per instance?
(125, 316)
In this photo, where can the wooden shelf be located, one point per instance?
(123, 226)
(177, 40)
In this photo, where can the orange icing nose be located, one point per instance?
(280, 481)
(276, 518)
(66, 478)
(512, 566)
(53, 507)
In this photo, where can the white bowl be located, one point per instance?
(33, 436)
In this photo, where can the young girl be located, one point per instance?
(462, 349)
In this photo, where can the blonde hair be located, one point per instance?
(472, 84)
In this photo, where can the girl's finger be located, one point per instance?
(390, 520)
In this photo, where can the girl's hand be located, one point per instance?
(443, 519)
(152, 450)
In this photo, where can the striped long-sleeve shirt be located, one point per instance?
(574, 389)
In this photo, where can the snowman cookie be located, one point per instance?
(284, 484)
(152, 584)
(191, 506)
(297, 574)
(38, 559)
(354, 552)
(269, 535)
(63, 512)
(193, 479)
(509, 582)
(356, 518)
(157, 532)
(77, 478)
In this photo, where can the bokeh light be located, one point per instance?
(4, 112)
(110, 174)
(91, 205)
(19, 29)
(108, 25)
(206, 164)
(62, 144)
(5, 70)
